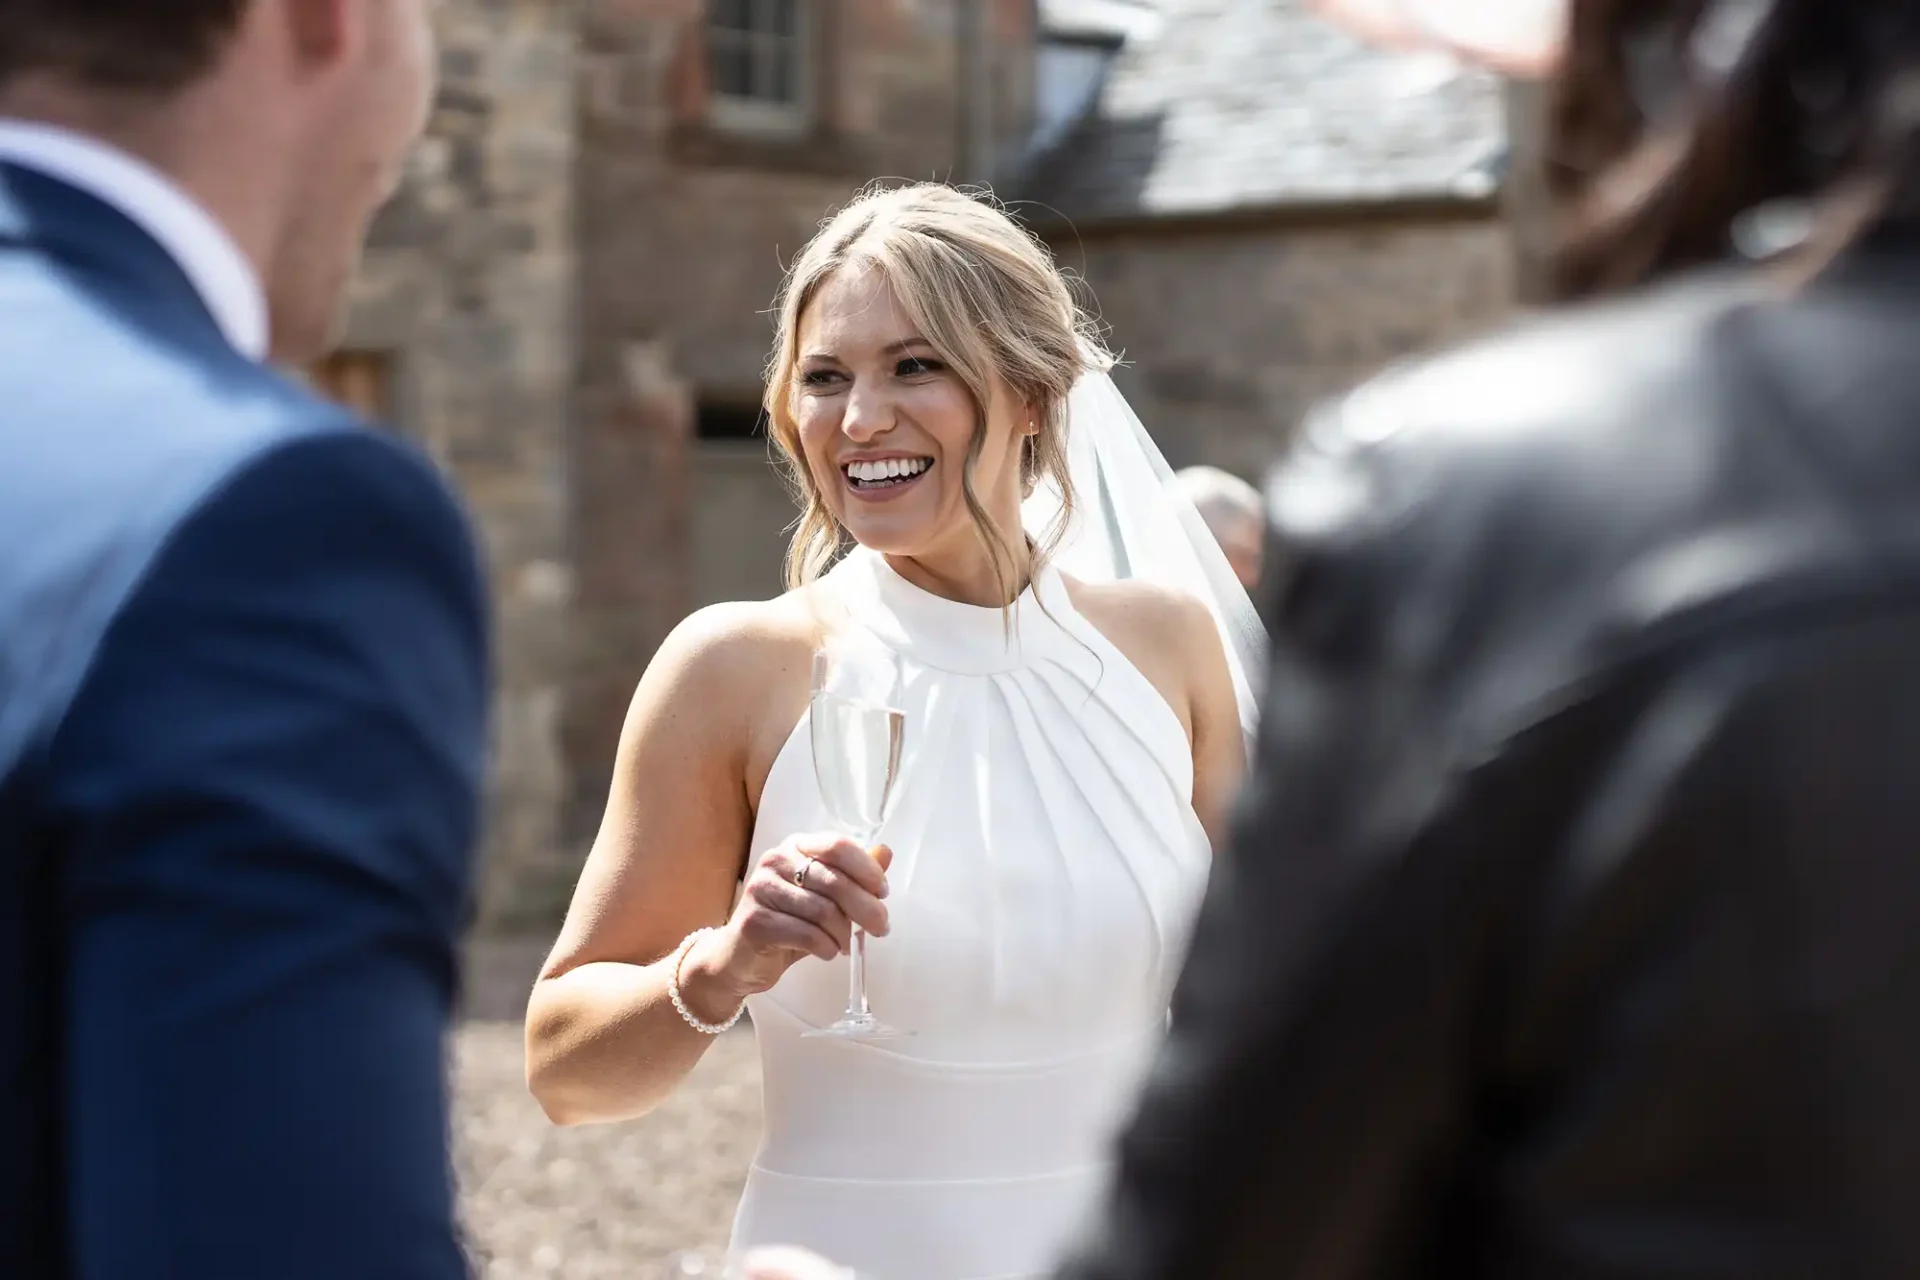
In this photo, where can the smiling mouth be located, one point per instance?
(887, 474)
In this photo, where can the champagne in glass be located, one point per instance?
(857, 737)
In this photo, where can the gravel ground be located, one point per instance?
(600, 1202)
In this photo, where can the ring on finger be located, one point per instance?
(800, 873)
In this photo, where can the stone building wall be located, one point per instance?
(1232, 334)
(1528, 206)
(685, 229)
(462, 322)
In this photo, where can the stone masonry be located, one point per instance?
(1529, 206)
(468, 296)
(1230, 335)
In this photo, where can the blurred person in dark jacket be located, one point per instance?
(1572, 925)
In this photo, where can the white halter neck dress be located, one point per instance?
(1047, 867)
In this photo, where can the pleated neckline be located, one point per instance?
(949, 635)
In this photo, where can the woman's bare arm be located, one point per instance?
(603, 1039)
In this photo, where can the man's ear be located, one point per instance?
(325, 33)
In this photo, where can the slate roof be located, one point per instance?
(1099, 20)
(1237, 104)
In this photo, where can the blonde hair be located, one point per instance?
(986, 294)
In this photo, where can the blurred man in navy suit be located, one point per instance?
(243, 664)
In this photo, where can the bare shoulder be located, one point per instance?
(1167, 634)
(716, 672)
(713, 650)
(733, 678)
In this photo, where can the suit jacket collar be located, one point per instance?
(226, 281)
(107, 251)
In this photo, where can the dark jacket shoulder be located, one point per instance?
(1508, 520)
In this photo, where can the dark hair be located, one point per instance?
(134, 46)
(1672, 119)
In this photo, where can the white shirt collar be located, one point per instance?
(224, 278)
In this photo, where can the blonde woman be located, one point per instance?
(1072, 666)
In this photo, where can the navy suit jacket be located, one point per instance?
(243, 680)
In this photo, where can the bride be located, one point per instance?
(1070, 651)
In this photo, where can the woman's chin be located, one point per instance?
(908, 543)
(889, 529)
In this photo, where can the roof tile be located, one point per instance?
(1242, 103)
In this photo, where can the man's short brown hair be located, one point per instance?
(139, 46)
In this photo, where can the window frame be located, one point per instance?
(764, 116)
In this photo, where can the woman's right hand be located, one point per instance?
(803, 899)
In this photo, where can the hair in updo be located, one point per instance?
(987, 295)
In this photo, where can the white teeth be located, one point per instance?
(890, 469)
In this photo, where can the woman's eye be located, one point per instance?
(914, 367)
(817, 377)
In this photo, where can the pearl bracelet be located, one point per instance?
(680, 1005)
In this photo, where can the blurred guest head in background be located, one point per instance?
(1231, 507)
(1682, 132)
(287, 120)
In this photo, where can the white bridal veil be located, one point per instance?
(1131, 521)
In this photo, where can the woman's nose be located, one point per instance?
(869, 414)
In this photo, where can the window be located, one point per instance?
(757, 63)
(730, 422)
(360, 380)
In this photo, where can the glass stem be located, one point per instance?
(857, 976)
(857, 1006)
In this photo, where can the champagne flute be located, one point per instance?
(857, 731)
